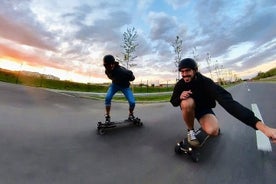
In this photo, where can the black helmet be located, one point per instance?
(108, 59)
(187, 63)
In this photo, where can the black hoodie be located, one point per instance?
(206, 92)
(120, 76)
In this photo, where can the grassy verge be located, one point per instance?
(154, 93)
(139, 99)
(41, 81)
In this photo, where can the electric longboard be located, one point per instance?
(102, 127)
(192, 151)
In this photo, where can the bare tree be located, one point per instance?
(218, 70)
(195, 54)
(230, 76)
(129, 45)
(177, 45)
(209, 64)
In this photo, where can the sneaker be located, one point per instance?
(131, 117)
(192, 140)
(107, 118)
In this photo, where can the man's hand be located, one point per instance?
(185, 94)
(268, 131)
(271, 134)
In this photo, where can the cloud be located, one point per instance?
(18, 25)
(162, 26)
(177, 4)
(75, 35)
(224, 24)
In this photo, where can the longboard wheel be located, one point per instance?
(139, 123)
(177, 149)
(101, 131)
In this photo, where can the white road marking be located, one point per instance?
(263, 142)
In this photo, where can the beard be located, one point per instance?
(187, 78)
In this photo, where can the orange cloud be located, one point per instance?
(22, 33)
(32, 57)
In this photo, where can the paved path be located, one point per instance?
(47, 137)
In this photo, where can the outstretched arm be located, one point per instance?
(268, 131)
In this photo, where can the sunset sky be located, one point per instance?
(68, 38)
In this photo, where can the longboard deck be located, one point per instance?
(113, 123)
(193, 152)
(101, 127)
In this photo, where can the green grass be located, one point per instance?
(42, 81)
(269, 79)
(138, 98)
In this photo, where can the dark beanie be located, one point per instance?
(187, 63)
(109, 59)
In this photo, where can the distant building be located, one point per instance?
(36, 74)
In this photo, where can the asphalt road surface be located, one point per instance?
(51, 138)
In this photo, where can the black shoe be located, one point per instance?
(131, 117)
(107, 119)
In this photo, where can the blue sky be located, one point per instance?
(69, 38)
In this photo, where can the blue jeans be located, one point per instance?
(113, 88)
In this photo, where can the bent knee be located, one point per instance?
(213, 131)
(187, 104)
